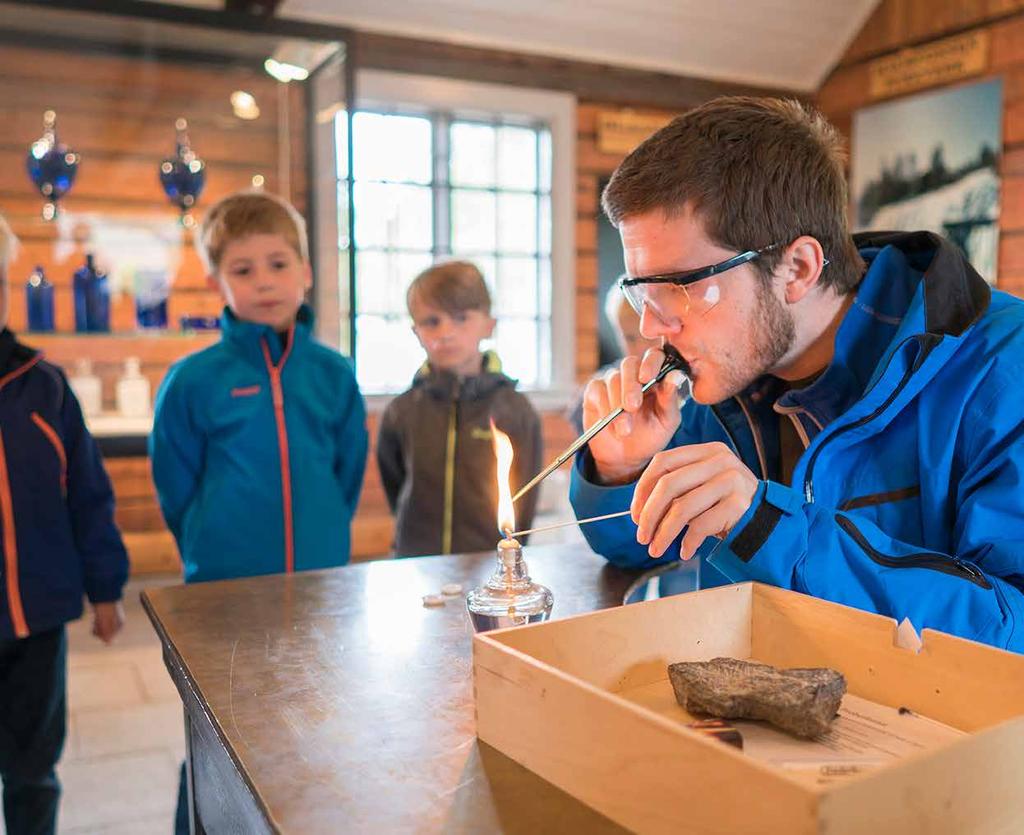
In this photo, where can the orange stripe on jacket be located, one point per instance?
(17, 372)
(10, 549)
(282, 445)
(58, 446)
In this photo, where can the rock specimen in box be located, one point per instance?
(801, 701)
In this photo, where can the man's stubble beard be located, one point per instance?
(771, 337)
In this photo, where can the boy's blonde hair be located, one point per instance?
(453, 286)
(249, 213)
(8, 246)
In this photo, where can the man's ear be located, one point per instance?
(214, 284)
(801, 267)
(491, 323)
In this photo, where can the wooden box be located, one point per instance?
(586, 703)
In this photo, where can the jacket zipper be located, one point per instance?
(277, 393)
(10, 544)
(808, 476)
(925, 559)
(58, 447)
(449, 474)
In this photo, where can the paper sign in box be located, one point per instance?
(585, 702)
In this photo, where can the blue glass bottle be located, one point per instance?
(92, 299)
(39, 297)
(80, 283)
(99, 305)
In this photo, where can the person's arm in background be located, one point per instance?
(389, 455)
(90, 499)
(177, 449)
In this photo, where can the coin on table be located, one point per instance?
(433, 600)
(451, 589)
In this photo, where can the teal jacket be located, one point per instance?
(909, 499)
(258, 452)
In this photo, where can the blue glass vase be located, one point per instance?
(151, 292)
(39, 298)
(51, 166)
(92, 299)
(183, 175)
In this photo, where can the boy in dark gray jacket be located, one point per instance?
(434, 448)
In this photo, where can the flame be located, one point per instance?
(503, 452)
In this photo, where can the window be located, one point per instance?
(445, 168)
(437, 186)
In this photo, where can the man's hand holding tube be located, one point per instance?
(703, 488)
(621, 451)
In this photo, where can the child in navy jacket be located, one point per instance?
(58, 541)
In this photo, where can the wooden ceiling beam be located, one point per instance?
(588, 80)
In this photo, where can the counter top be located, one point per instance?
(344, 703)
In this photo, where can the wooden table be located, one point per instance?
(334, 701)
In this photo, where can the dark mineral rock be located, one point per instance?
(801, 701)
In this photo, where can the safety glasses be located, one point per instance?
(693, 292)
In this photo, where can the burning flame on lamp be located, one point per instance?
(503, 452)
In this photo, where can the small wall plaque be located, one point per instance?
(620, 131)
(932, 65)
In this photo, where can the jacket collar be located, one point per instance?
(917, 285)
(444, 385)
(248, 336)
(953, 295)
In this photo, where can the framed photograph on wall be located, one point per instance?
(931, 161)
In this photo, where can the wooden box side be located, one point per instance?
(962, 683)
(640, 770)
(972, 786)
(629, 646)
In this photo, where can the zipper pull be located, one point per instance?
(969, 568)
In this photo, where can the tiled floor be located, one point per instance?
(125, 739)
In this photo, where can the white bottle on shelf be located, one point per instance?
(88, 388)
(133, 391)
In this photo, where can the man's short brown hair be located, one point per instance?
(756, 171)
(453, 286)
(249, 213)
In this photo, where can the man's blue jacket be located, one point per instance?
(909, 499)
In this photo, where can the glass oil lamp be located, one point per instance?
(509, 597)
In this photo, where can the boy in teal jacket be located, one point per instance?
(259, 442)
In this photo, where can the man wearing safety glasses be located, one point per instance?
(856, 424)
